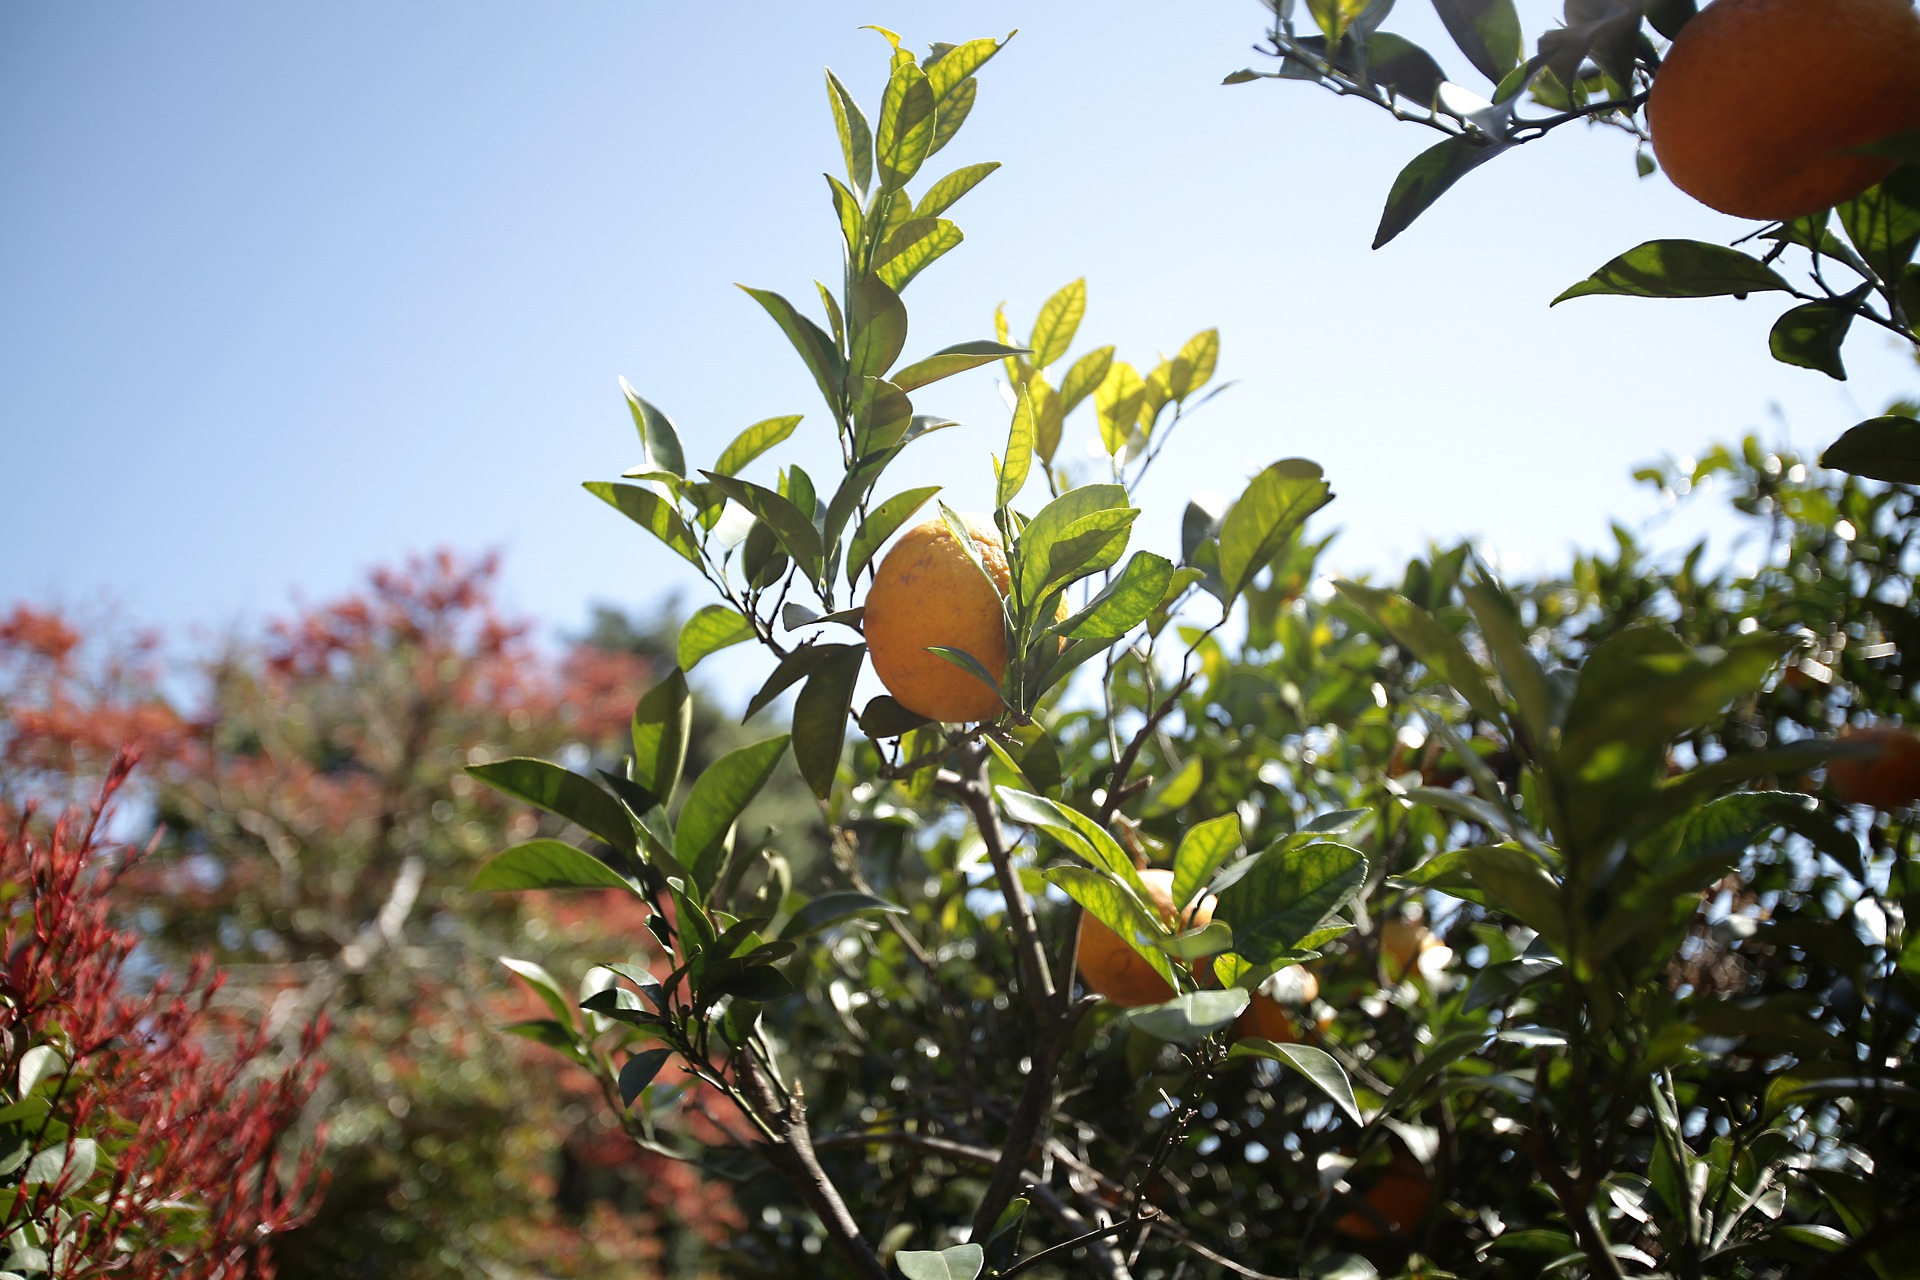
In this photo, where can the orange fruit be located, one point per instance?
(1889, 779)
(1272, 1013)
(1757, 99)
(1399, 1194)
(1114, 969)
(927, 592)
(1401, 945)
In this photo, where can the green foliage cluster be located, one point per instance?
(1670, 1026)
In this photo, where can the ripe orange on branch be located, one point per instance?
(1112, 968)
(1278, 1010)
(928, 592)
(1398, 1198)
(1758, 101)
(1887, 779)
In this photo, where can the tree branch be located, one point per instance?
(791, 1153)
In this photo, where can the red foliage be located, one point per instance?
(185, 1109)
(65, 712)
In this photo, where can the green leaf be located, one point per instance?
(914, 247)
(1883, 222)
(971, 665)
(759, 983)
(642, 1067)
(1285, 894)
(41, 1062)
(659, 440)
(846, 207)
(1045, 554)
(662, 724)
(831, 908)
(1019, 460)
(880, 525)
(1387, 61)
(544, 985)
(1125, 602)
(1076, 833)
(820, 714)
(954, 109)
(1679, 269)
(1427, 177)
(1117, 401)
(651, 512)
(879, 326)
(710, 630)
(1086, 375)
(961, 1262)
(1276, 503)
(1203, 850)
(1059, 320)
(951, 360)
(943, 194)
(1439, 649)
(885, 718)
(946, 72)
(1334, 17)
(1886, 448)
(69, 1164)
(544, 1031)
(547, 864)
(1669, 16)
(1193, 367)
(882, 416)
(904, 136)
(1643, 687)
(560, 792)
(1317, 1065)
(754, 441)
(716, 801)
(1713, 841)
(1541, 704)
(788, 672)
(1504, 877)
(1119, 910)
(793, 527)
(856, 139)
(1171, 792)
(1487, 32)
(1191, 1017)
(1810, 336)
(1048, 418)
(816, 349)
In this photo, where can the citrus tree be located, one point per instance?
(1803, 116)
(1045, 1005)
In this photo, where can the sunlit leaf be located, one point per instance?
(715, 803)
(562, 792)
(651, 512)
(711, 629)
(1266, 517)
(753, 442)
(1679, 269)
(1317, 1065)
(547, 864)
(856, 139)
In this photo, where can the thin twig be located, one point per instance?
(1085, 1238)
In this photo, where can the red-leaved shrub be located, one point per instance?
(149, 1135)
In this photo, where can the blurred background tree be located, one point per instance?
(316, 839)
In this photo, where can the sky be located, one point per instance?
(287, 292)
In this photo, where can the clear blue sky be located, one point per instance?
(287, 291)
